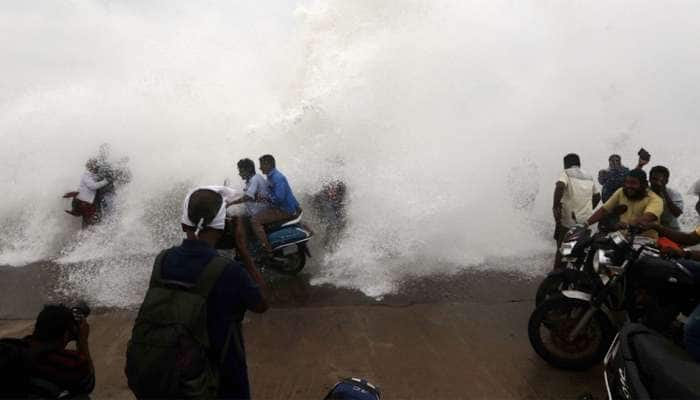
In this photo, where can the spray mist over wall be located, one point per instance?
(447, 120)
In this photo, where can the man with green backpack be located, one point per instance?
(187, 340)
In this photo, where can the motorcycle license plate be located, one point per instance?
(289, 250)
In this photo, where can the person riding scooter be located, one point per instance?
(283, 205)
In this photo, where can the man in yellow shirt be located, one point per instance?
(640, 205)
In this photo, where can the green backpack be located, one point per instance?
(169, 354)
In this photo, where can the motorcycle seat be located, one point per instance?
(660, 270)
(281, 224)
(668, 370)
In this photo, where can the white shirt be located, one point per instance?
(256, 184)
(667, 219)
(696, 188)
(578, 196)
(89, 186)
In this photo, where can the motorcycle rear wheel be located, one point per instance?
(560, 315)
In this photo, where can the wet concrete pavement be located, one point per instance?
(457, 337)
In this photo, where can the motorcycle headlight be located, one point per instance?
(601, 259)
(618, 238)
(567, 248)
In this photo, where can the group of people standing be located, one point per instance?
(628, 197)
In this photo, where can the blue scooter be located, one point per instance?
(288, 240)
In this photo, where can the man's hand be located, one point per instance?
(673, 251)
(649, 225)
(620, 226)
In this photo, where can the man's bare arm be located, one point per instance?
(556, 204)
(675, 210)
(682, 238)
(597, 216)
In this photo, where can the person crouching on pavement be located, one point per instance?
(40, 365)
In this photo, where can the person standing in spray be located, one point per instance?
(575, 197)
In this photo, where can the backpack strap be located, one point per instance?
(206, 282)
(210, 275)
(157, 266)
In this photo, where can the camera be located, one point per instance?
(80, 311)
(644, 155)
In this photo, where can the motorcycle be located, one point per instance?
(633, 279)
(643, 364)
(288, 240)
(577, 250)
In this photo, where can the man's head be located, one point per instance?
(246, 168)
(658, 177)
(615, 161)
(55, 325)
(635, 186)
(92, 165)
(204, 215)
(571, 160)
(267, 163)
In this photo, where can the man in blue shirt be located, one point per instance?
(283, 205)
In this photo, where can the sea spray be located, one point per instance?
(447, 121)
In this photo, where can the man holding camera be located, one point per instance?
(40, 365)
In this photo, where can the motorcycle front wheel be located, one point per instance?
(553, 321)
(290, 264)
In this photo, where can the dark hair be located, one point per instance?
(614, 156)
(53, 322)
(640, 175)
(247, 165)
(204, 203)
(572, 160)
(268, 159)
(660, 169)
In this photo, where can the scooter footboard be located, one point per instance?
(288, 235)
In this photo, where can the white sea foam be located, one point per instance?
(447, 120)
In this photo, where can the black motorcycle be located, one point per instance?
(644, 364)
(577, 250)
(573, 329)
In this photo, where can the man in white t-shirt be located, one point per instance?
(256, 188)
(575, 197)
(673, 201)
